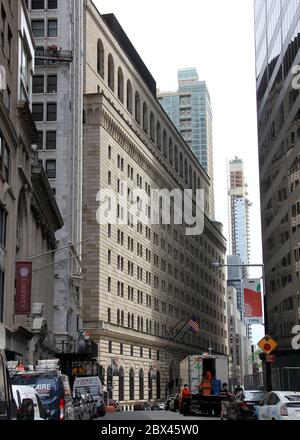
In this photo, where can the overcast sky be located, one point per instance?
(216, 37)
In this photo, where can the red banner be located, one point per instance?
(23, 288)
(253, 301)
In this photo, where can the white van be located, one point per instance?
(21, 392)
(91, 385)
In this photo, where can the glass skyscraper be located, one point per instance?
(277, 35)
(189, 108)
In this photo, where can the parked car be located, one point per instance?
(22, 393)
(280, 405)
(8, 408)
(91, 385)
(155, 406)
(244, 406)
(53, 389)
(168, 402)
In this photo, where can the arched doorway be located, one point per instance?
(158, 393)
(131, 384)
(141, 384)
(172, 380)
(121, 384)
(109, 381)
(150, 386)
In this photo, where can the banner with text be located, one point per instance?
(253, 301)
(23, 288)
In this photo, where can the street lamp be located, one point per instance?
(266, 320)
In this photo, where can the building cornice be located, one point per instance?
(96, 16)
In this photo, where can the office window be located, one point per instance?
(52, 28)
(51, 111)
(40, 142)
(51, 169)
(38, 28)
(9, 41)
(3, 219)
(38, 112)
(3, 26)
(39, 51)
(51, 140)
(52, 4)
(2, 276)
(37, 4)
(4, 158)
(52, 84)
(38, 84)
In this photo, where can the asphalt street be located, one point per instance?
(153, 415)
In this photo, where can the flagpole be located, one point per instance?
(179, 331)
(173, 328)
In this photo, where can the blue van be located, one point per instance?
(52, 387)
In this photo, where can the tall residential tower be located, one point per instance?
(190, 111)
(239, 213)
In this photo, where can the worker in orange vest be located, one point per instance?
(206, 385)
(185, 400)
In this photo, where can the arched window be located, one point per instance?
(122, 318)
(186, 175)
(138, 323)
(165, 142)
(100, 58)
(142, 324)
(145, 117)
(190, 177)
(120, 85)
(150, 386)
(129, 96)
(137, 104)
(171, 159)
(109, 381)
(181, 165)
(128, 320)
(158, 393)
(176, 158)
(158, 135)
(131, 384)
(121, 384)
(147, 326)
(150, 327)
(118, 317)
(152, 134)
(141, 384)
(111, 73)
(132, 321)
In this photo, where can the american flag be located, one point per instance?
(194, 326)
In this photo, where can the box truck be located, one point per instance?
(193, 369)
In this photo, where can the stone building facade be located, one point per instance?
(57, 109)
(28, 211)
(143, 282)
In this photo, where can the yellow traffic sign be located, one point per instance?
(267, 344)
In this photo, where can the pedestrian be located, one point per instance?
(225, 398)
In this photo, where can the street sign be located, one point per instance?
(270, 358)
(267, 344)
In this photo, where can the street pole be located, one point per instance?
(266, 324)
(266, 320)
